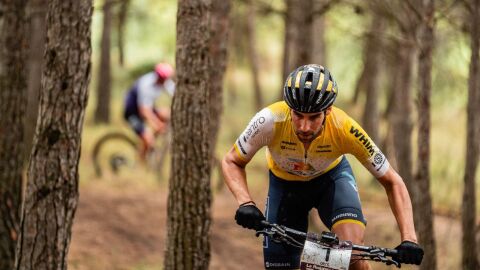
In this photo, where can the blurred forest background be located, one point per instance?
(377, 52)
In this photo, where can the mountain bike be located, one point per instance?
(117, 153)
(325, 250)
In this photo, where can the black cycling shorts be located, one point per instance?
(334, 195)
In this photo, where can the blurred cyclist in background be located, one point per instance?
(140, 105)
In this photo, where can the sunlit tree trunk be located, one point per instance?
(253, 55)
(469, 245)
(102, 111)
(189, 198)
(122, 21)
(52, 190)
(423, 212)
(36, 13)
(13, 98)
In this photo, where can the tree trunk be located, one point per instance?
(189, 198)
(371, 68)
(122, 21)
(302, 25)
(253, 55)
(402, 115)
(298, 41)
(469, 245)
(423, 213)
(52, 190)
(37, 33)
(319, 51)
(287, 41)
(13, 89)
(220, 25)
(102, 111)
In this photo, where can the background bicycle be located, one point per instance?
(116, 155)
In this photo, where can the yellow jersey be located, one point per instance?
(286, 155)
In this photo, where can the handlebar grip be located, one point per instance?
(391, 252)
(266, 224)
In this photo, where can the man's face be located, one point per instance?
(308, 126)
(160, 80)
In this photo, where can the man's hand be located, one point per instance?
(161, 128)
(409, 253)
(249, 216)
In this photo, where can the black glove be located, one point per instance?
(409, 253)
(249, 216)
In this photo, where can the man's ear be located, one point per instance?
(328, 110)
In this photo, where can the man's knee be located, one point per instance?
(350, 230)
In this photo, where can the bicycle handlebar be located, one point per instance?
(280, 233)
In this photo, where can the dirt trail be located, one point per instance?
(125, 229)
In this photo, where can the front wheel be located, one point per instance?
(114, 154)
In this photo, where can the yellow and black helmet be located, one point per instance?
(310, 88)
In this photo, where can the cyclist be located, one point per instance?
(306, 139)
(140, 105)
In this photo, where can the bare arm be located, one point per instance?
(233, 168)
(148, 114)
(400, 203)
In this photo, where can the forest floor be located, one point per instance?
(123, 226)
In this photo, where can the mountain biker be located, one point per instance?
(140, 105)
(306, 139)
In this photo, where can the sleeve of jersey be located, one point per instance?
(169, 86)
(258, 133)
(364, 149)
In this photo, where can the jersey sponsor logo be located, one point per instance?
(289, 143)
(344, 215)
(252, 129)
(241, 147)
(284, 145)
(363, 139)
(379, 161)
(277, 264)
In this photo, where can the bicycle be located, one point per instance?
(326, 251)
(117, 153)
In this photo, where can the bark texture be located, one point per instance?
(102, 111)
(189, 199)
(37, 10)
(469, 245)
(13, 93)
(423, 213)
(220, 25)
(52, 190)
